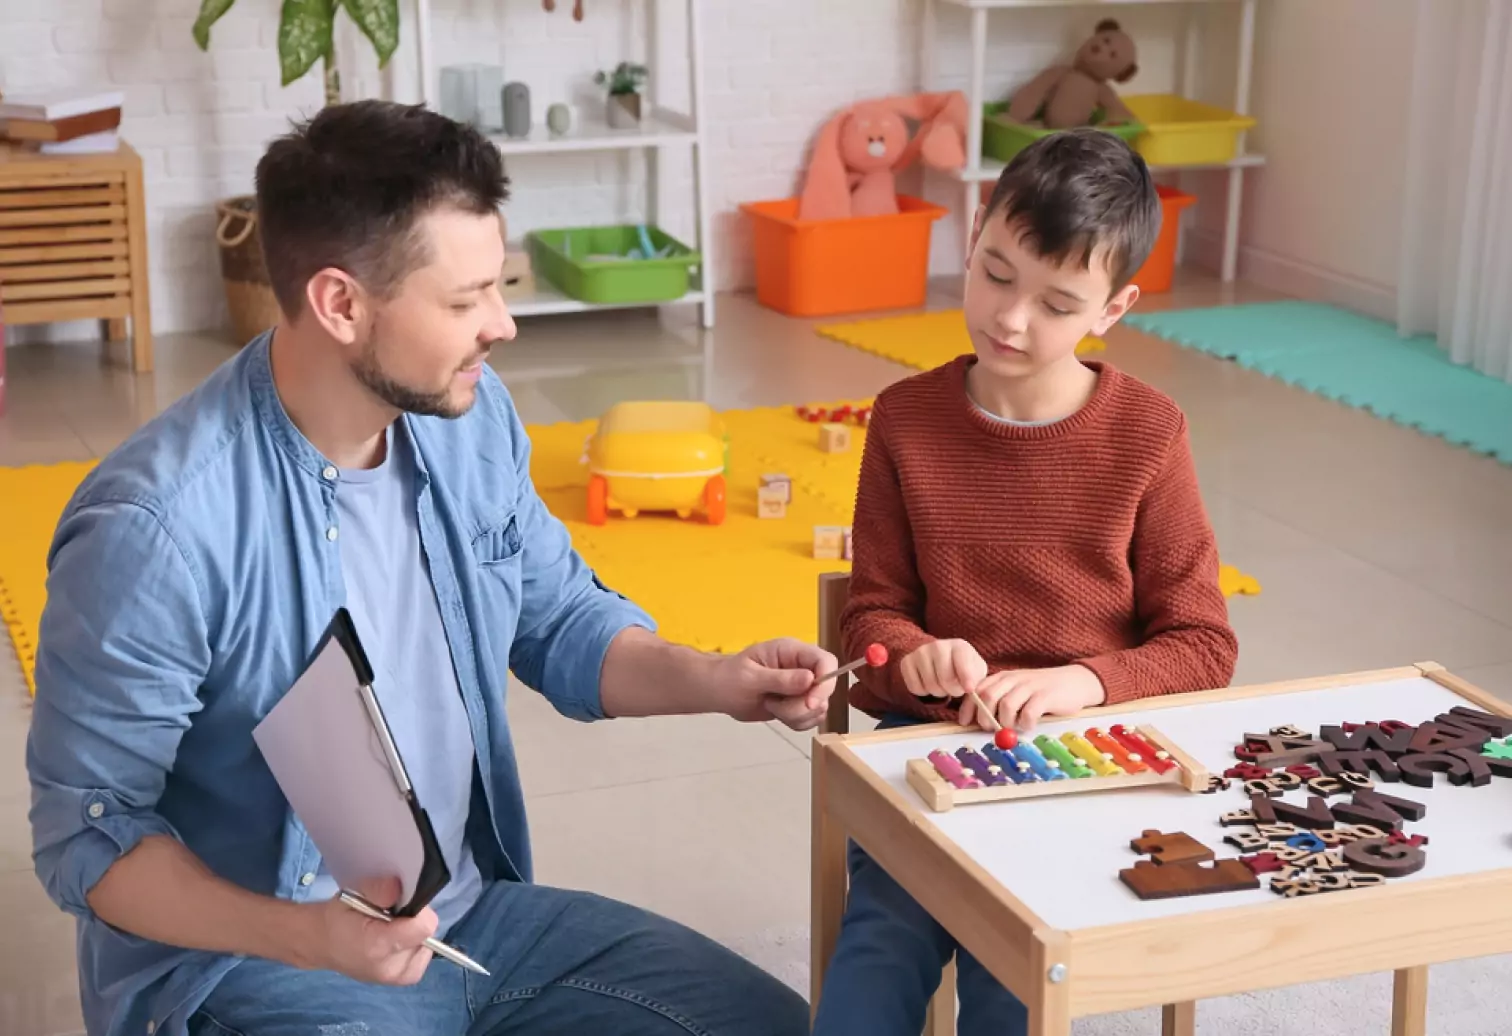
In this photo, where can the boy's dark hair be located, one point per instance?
(346, 189)
(1077, 191)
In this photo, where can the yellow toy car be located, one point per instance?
(658, 456)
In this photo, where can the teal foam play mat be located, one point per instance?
(1354, 360)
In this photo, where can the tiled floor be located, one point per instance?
(1375, 547)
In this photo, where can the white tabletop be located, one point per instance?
(1061, 855)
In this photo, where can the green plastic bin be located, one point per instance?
(574, 260)
(1002, 138)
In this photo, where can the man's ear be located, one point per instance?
(338, 303)
(1122, 301)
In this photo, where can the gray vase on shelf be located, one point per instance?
(624, 110)
(516, 110)
(559, 119)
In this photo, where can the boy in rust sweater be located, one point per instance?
(1028, 527)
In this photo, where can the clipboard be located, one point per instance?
(334, 757)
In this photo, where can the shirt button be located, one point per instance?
(96, 810)
(307, 879)
(331, 533)
(151, 1028)
(329, 473)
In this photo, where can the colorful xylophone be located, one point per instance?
(1094, 760)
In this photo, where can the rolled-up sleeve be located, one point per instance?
(121, 656)
(567, 616)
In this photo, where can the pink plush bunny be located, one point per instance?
(861, 150)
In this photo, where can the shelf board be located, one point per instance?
(547, 301)
(989, 5)
(991, 168)
(659, 129)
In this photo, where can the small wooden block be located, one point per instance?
(771, 502)
(1247, 772)
(1398, 838)
(1261, 863)
(1279, 832)
(1314, 816)
(834, 438)
(780, 483)
(1170, 847)
(1276, 750)
(1480, 767)
(517, 279)
(1238, 818)
(1193, 878)
(829, 542)
(1378, 856)
(1368, 738)
(1247, 841)
(1336, 764)
(1431, 737)
(1496, 726)
(1383, 811)
(1273, 786)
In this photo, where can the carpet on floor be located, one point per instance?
(922, 341)
(1465, 998)
(716, 588)
(1354, 360)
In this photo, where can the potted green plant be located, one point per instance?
(305, 35)
(624, 93)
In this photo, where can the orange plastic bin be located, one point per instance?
(1156, 273)
(810, 268)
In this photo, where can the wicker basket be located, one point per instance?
(249, 296)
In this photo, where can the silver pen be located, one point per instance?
(436, 946)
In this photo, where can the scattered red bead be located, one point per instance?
(1005, 739)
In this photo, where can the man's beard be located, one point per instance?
(398, 395)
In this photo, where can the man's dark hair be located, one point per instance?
(346, 189)
(1078, 191)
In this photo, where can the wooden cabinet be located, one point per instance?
(73, 243)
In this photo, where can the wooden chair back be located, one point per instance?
(834, 587)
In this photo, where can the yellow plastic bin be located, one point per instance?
(1181, 132)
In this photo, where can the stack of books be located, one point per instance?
(68, 123)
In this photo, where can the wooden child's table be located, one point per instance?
(1031, 886)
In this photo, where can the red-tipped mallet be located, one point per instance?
(876, 657)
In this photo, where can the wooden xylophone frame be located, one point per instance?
(941, 796)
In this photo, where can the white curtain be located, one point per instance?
(1455, 281)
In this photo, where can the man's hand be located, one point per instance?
(943, 669)
(1019, 698)
(390, 953)
(776, 679)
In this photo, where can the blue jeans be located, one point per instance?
(560, 962)
(888, 960)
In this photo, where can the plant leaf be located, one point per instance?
(209, 14)
(304, 35)
(379, 22)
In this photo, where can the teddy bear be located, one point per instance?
(1068, 95)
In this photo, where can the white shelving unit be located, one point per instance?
(660, 128)
(978, 171)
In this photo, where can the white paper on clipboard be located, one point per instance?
(329, 760)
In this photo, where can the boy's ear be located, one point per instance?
(1122, 301)
(977, 222)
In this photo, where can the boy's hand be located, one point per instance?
(943, 669)
(1021, 697)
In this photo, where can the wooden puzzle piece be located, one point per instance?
(1193, 878)
(1157, 759)
(1114, 750)
(1463, 715)
(1167, 847)
(1055, 752)
(1433, 738)
(1274, 750)
(1498, 749)
(1262, 863)
(1367, 738)
(1418, 770)
(1374, 760)
(1247, 841)
(1378, 856)
(1313, 816)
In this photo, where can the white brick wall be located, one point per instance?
(774, 71)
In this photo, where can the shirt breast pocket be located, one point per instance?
(497, 552)
(498, 545)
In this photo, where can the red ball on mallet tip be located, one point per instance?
(1005, 739)
(876, 655)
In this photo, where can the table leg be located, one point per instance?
(1409, 1003)
(827, 895)
(1179, 1019)
(941, 1018)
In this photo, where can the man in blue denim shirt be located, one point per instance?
(361, 455)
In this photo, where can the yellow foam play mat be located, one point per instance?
(717, 588)
(922, 341)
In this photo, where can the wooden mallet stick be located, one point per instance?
(876, 657)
